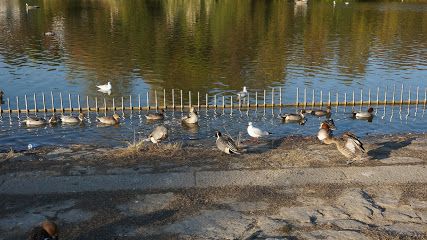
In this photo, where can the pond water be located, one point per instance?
(214, 47)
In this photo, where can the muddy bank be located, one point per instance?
(291, 188)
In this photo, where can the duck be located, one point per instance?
(294, 117)
(226, 144)
(35, 121)
(54, 119)
(242, 94)
(72, 119)
(115, 119)
(256, 132)
(326, 128)
(47, 230)
(364, 115)
(158, 134)
(104, 88)
(321, 112)
(156, 116)
(31, 7)
(348, 144)
(191, 118)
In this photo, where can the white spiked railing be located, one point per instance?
(269, 99)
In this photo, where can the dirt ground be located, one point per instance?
(394, 209)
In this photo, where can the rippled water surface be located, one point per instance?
(211, 47)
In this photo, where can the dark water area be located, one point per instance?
(214, 47)
(134, 126)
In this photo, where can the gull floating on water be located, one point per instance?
(30, 7)
(105, 87)
(242, 94)
(256, 132)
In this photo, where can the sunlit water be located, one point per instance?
(212, 47)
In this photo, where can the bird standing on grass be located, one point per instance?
(226, 144)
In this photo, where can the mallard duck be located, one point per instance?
(35, 121)
(31, 7)
(48, 230)
(256, 132)
(294, 117)
(72, 119)
(158, 134)
(156, 116)
(191, 118)
(226, 144)
(242, 94)
(348, 144)
(115, 119)
(364, 115)
(321, 112)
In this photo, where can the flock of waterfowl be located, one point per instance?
(348, 144)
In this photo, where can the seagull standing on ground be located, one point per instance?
(256, 132)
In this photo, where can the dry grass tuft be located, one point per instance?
(9, 155)
(139, 148)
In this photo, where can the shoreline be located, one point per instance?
(290, 188)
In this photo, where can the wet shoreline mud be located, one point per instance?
(289, 188)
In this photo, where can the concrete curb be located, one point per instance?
(205, 179)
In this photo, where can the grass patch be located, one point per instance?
(141, 148)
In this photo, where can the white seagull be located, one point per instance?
(242, 94)
(104, 88)
(256, 132)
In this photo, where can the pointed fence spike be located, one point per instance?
(280, 97)
(401, 95)
(148, 99)
(182, 105)
(139, 103)
(69, 103)
(155, 99)
(173, 99)
(78, 103)
(164, 98)
(17, 105)
(130, 103)
(26, 103)
(198, 100)
(256, 99)
(52, 101)
(87, 104)
(313, 99)
(189, 99)
(61, 102)
(44, 102)
(297, 98)
(207, 101)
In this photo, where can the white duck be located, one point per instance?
(256, 132)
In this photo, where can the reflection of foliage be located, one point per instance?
(235, 42)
